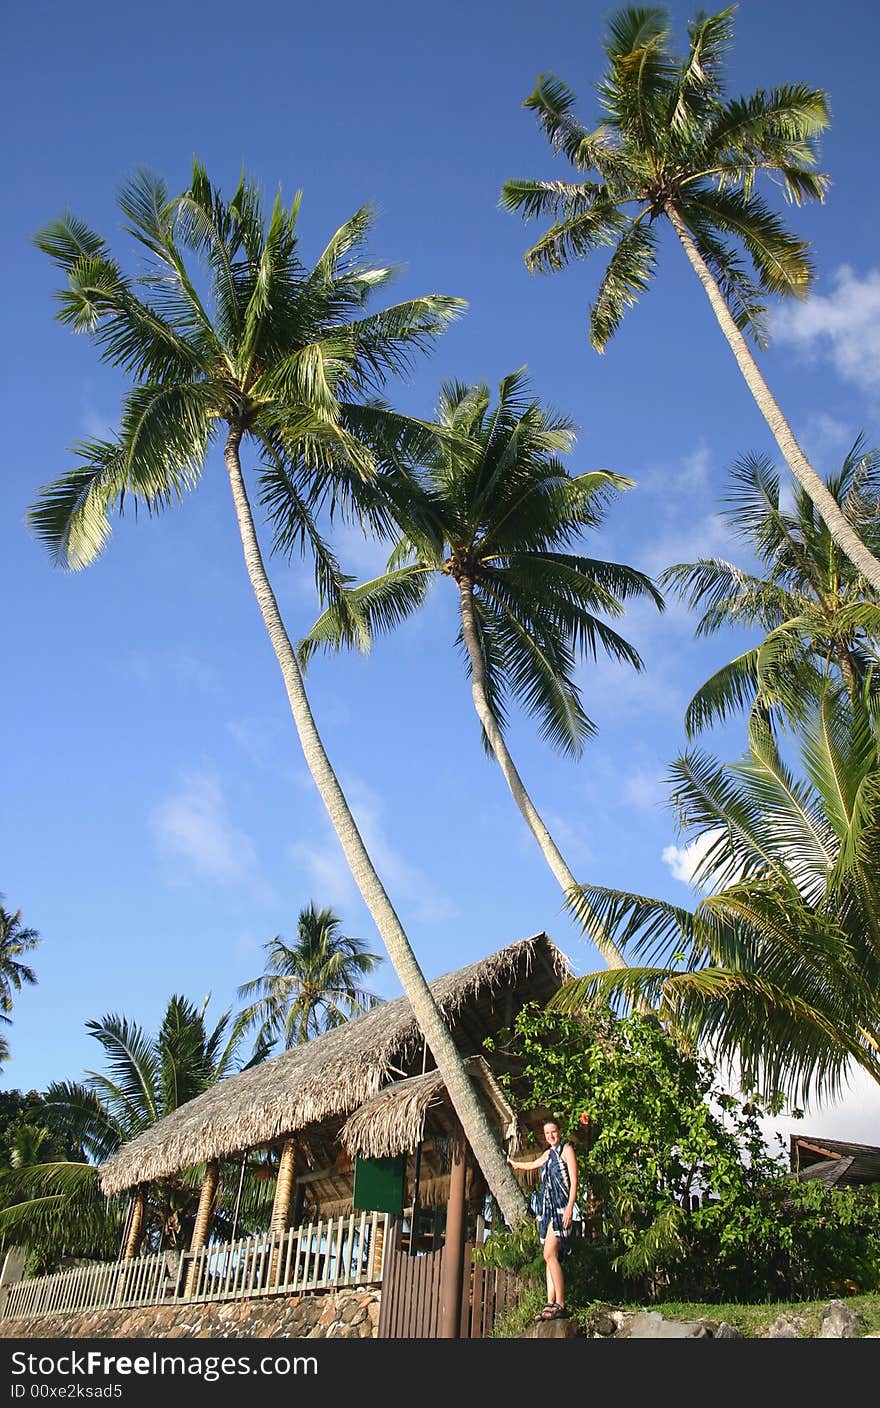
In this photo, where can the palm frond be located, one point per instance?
(70, 515)
(370, 609)
(576, 236)
(729, 690)
(781, 261)
(627, 276)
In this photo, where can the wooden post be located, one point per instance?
(136, 1225)
(415, 1217)
(453, 1249)
(202, 1226)
(284, 1190)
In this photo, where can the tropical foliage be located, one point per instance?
(495, 512)
(778, 969)
(24, 1129)
(671, 146)
(311, 985)
(56, 1210)
(821, 618)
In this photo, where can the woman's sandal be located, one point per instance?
(546, 1313)
(554, 1312)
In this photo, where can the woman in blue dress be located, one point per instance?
(559, 1175)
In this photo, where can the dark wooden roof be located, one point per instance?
(838, 1163)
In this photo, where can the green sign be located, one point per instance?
(378, 1184)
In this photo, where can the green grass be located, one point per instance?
(752, 1321)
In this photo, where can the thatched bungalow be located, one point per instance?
(364, 1098)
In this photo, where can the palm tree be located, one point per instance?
(57, 1209)
(253, 346)
(821, 617)
(778, 969)
(312, 984)
(15, 941)
(670, 145)
(494, 512)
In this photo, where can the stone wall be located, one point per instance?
(345, 1314)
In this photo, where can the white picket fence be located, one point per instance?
(342, 1251)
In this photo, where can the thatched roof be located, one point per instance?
(394, 1121)
(332, 1076)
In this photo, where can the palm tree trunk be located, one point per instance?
(840, 529)
(483, 1142)
(549, 849)
(283, 1199)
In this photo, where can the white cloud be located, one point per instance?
(842, 327)
(685, 861)
(193, 829)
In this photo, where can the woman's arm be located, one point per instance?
(535, 1163)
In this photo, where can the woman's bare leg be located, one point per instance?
(555, 1282)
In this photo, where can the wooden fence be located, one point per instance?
(343, 1251)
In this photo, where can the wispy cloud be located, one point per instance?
(198, 839)
(645, 790)
(843, 326)
(251, 739)
(406, 883)
(685, 861)
(93, 424)
(157, 668)
(326, 868)
(704, 536)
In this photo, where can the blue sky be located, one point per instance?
(159, 823)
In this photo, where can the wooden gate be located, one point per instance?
(410, 1306)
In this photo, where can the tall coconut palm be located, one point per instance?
(671, 146)
(493, 515)
(778, 968)
(57, 1209)
(821, 617)
(311, 985)
(229, 337)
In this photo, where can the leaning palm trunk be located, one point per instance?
(485, 1146)
(840, 529)
(549, 849)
